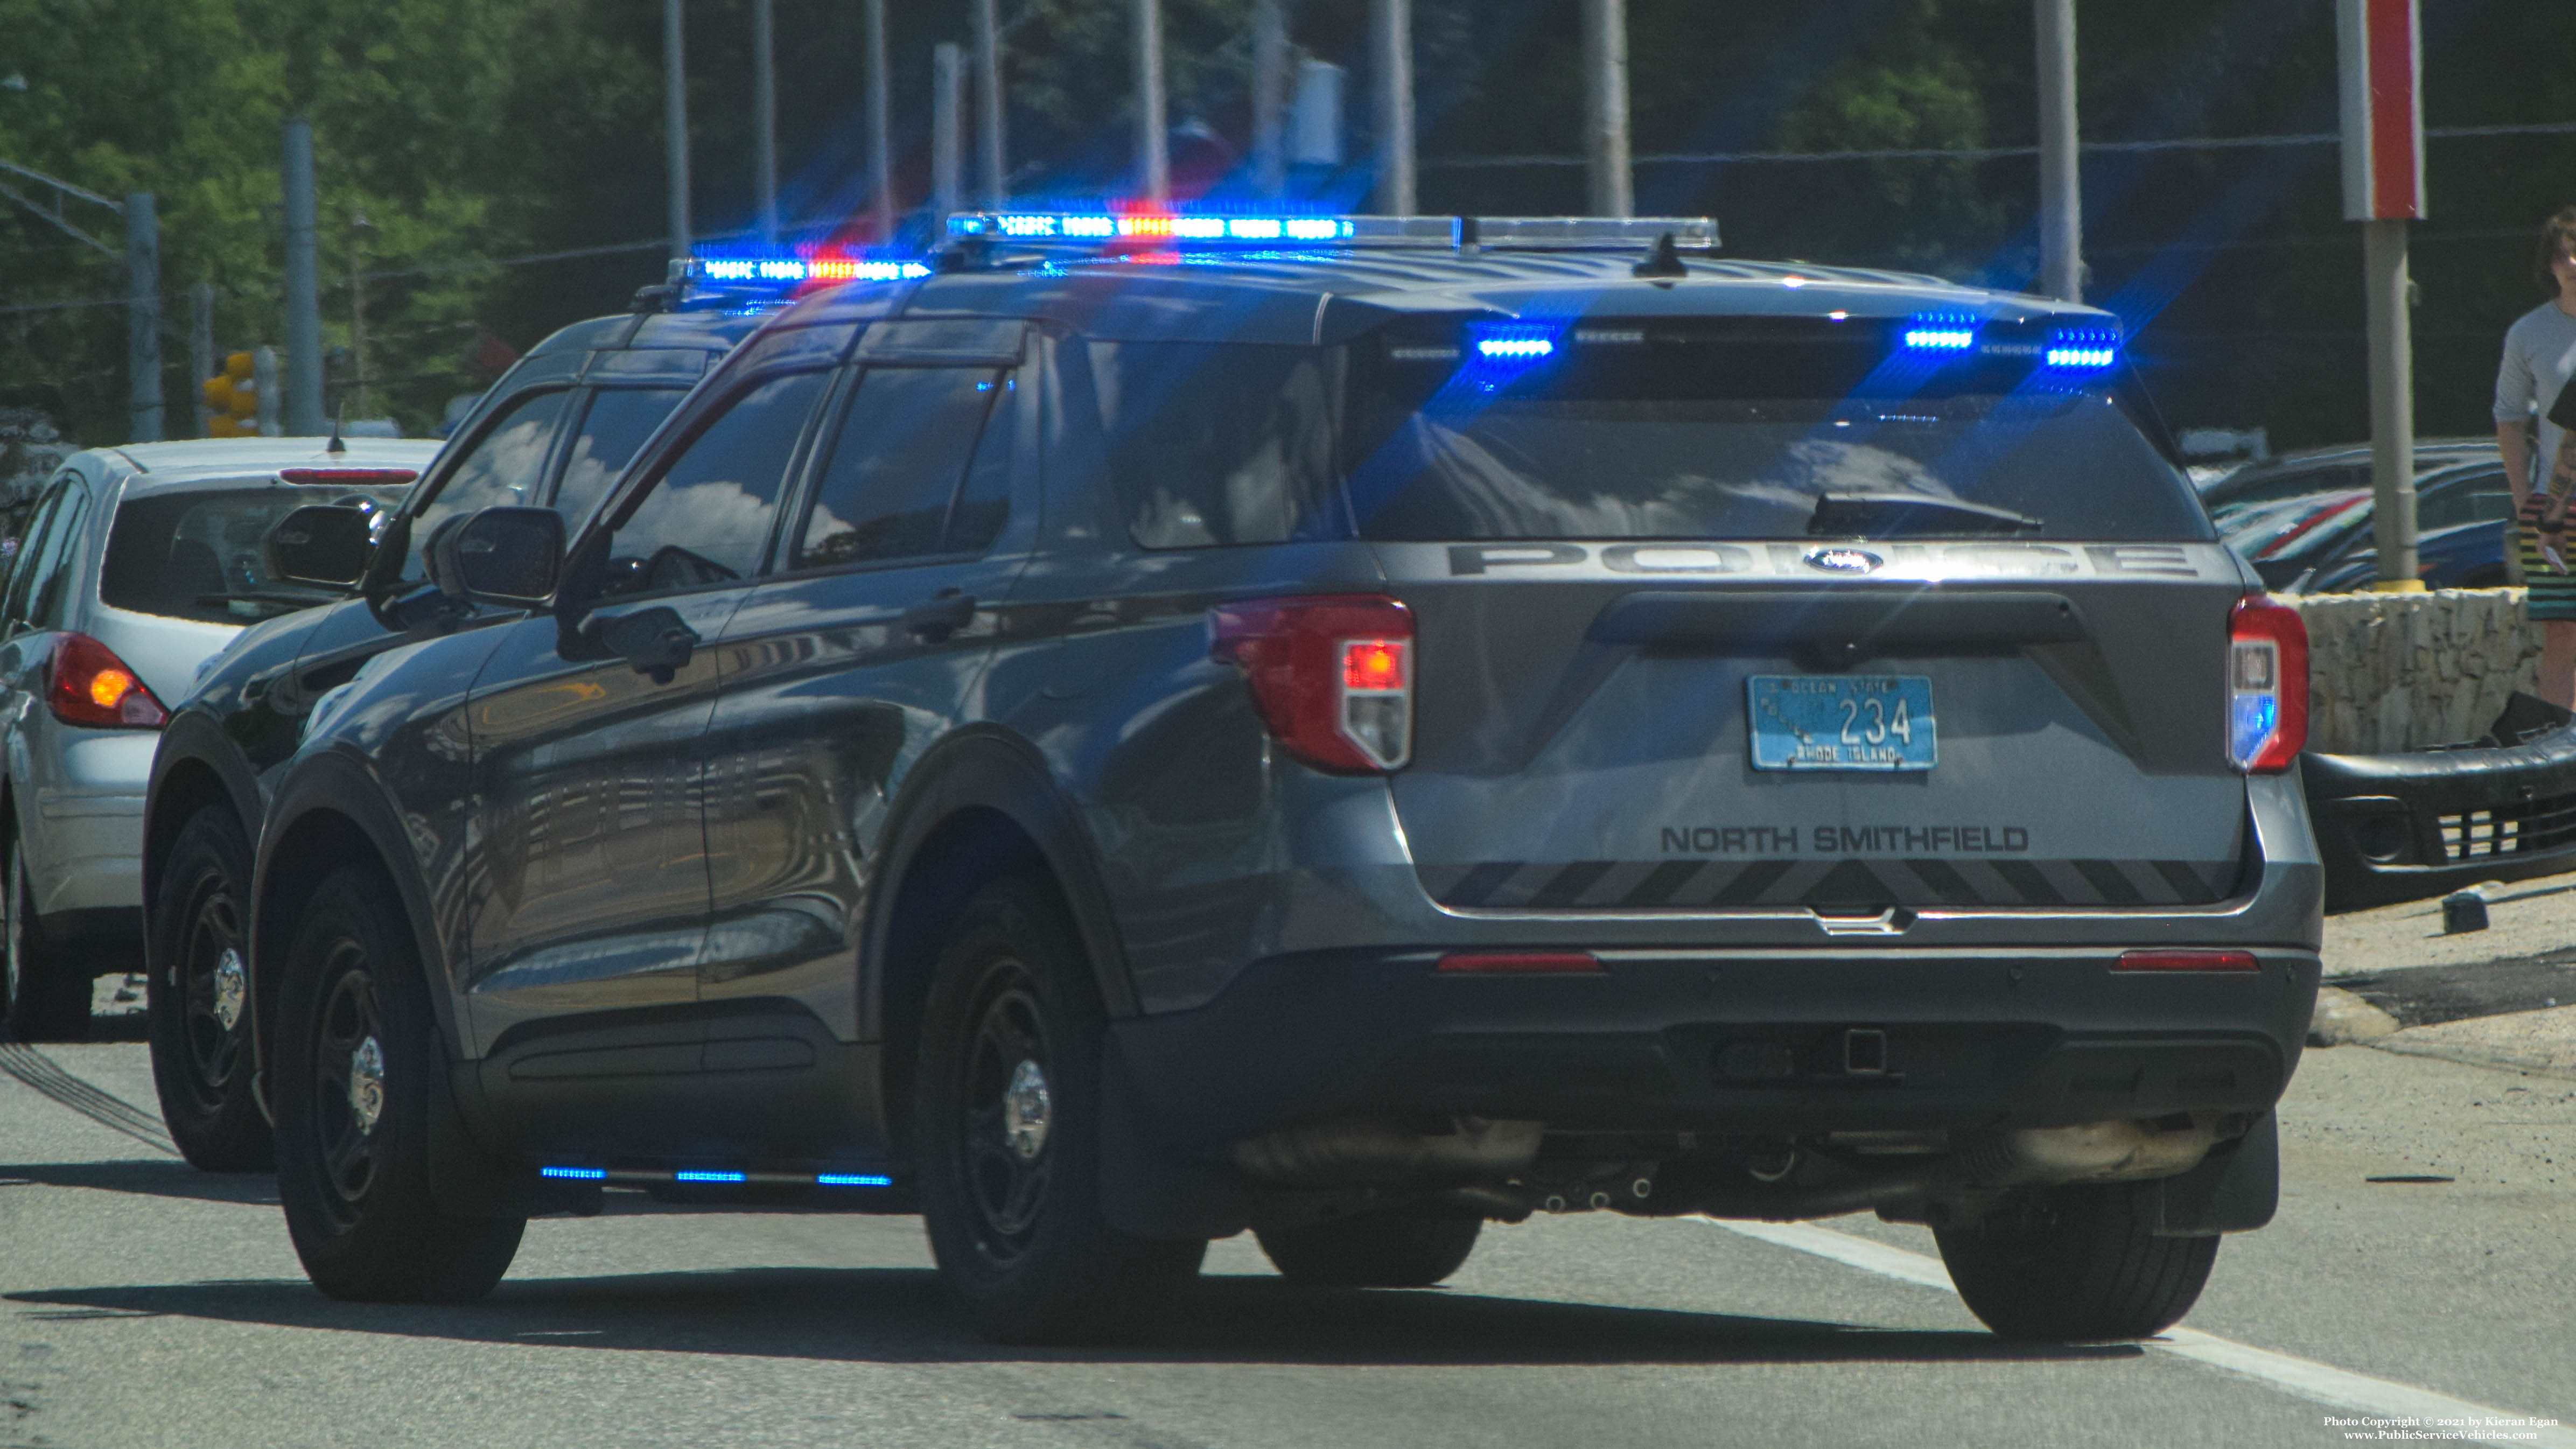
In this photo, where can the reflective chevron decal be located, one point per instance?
(1670, 884)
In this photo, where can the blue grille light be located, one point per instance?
(850, 1179)
(697, 1175)
(577, 1174)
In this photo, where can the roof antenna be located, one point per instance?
(1663, 259)
(335, 445)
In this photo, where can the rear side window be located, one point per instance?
(618, 422)
(1218, 443)
(896, 465)
(196, 555)
(48, 593)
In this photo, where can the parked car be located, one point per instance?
(551, 433)
(1109, 755)
(139, 564)
(2325, 470)
(2322, 543)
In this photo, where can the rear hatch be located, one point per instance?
(1797, 614)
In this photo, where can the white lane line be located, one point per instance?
(2316, 1382)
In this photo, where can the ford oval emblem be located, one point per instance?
(1844, 560)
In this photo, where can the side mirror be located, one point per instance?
(320, 543)
(510, 556)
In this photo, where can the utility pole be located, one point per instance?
(201, 350)
(880, 126)
(264, 384)
(2061, 198)
(947, 84)
(1605, 106)
(1391, 77)
(143, 313)
(764, 120)
(992, 176)
(1269, 98)
(2380, 50)
(359, 229)
(303, 289)
(1153, 138)
(675, 127)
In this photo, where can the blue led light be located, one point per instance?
(698, 1175)
(1941, 339)
(2252, 718)
(2083, 349)
(793, 271)
(1514, 348)
(850, 1179)
(578, 1174)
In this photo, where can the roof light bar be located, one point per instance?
(1164, 228)
(793, 271)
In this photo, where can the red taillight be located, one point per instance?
(91, 686)
(2267, 686)
(1332, 676)
(371, 477)
(2186, 961)
(1519, 963)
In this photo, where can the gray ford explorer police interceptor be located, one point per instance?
(1348, 728)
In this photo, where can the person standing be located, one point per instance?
(2539, 358)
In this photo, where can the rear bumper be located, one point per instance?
(2404, 827)
(1718, 1041)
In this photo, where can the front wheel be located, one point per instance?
(196, 1005)
(47, 991)
(2077, 1265)
(1007, 1113)
(356, 1054)
(1373, 1250)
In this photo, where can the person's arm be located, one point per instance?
(2513, 398)
(2514, 438)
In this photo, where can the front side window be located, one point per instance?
(896, 464)
(707, 519)
(618, 422)
(501, 468)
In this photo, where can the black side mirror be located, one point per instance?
(510, 556)
(320, 543)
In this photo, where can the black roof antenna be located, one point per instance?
(1663, 259)
(335, 445)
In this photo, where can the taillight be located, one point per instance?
(91, 686)
(2267, 686)
(1331, 675)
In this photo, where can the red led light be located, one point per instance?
(1373, 664)
(377, 477)
(2187, 961)
(1521, 963)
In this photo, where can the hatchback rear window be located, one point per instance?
(196, 555)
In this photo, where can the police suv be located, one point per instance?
(1348, 728)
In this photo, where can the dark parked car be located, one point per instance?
(2324, 543)
(2327, 470)
(551, 433)
(1108, 747)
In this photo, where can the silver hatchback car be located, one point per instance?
(138, 564)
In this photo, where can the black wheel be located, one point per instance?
(356, 1049)
(197, 998)
(1372, 1250)
(48, 988)
(2077, 1265)
(1006, 1129)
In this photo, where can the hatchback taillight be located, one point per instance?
(91, 686)
(1331, 675)
(2267, 686)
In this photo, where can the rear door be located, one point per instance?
(1657, 671)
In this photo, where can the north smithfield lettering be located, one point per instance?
(1849, 840)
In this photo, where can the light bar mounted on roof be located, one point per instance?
(789, 270)
(1115, 230)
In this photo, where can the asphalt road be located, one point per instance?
(149, 1304)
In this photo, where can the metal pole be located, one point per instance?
(992, 179)
(1391, 77)
(201, 350)
(764, 119)
(143, 313)
(1605, 106)
(2392, 403)
(1153, 141)
(359, 226)
(880, 125)
(675, 127)
(263, 381)
(1269, 97)
(947, 81)
(303, 289)
(2061, 196)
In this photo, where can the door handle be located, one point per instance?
(940, 615)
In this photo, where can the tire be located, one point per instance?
(1006, 1129)
(195, 1005)
(1372, 1250)
(356, 1189)
(2078, 1265)
(47, 988)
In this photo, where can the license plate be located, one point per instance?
(1841, 721)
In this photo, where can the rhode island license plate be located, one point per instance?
(1841, 721)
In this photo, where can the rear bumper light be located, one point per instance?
(2267, 686)
(2187, 961)
(1520, 963)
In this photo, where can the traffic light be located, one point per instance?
(235, 400)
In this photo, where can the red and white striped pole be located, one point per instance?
(2381, 47)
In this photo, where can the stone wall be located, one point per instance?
(2395, 672)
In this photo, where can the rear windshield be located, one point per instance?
(196, 555)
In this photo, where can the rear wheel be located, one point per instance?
(2077, 1265)
(1375, 1250)
(1007, 1127)
(356, 1053)
(196, 1002)
(48, 987)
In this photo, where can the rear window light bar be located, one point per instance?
(1550, 233)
